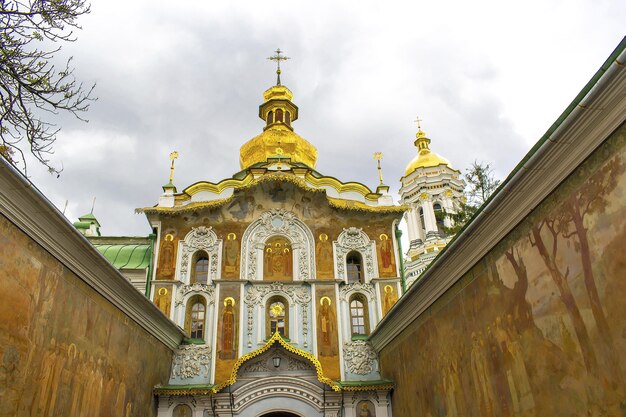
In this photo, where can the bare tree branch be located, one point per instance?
(30, 85)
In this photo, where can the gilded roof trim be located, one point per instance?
(277, 338)
(359, 206)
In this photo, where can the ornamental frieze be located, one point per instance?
(360, 357)
(191, 361)
(359, 287)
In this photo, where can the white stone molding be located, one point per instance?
(356, 287)
(277, 222)
(258, 294)
(360, 357)
(355, 239)
(188, 290)
(199, 238)
(191, 361)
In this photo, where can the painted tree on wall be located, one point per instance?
(569, 222)
(591, 198)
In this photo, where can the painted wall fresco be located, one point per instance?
(231, 220)
(278, 260)
(365, 408)
(386, 258)
(538, 327)
(324, 255)
(65, 350)
(389, 295)
(327, 332)
(229, 313)
(163, 298)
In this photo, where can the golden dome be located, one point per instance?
(278, 137)
(277, 140)
(425, 158)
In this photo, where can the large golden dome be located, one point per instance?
(425, 158)
(278, 138)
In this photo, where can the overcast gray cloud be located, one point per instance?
(487, 78)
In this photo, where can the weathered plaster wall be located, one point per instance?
(66, 351)
(538, 326)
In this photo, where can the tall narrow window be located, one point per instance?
(270, 118)
(422, 224)
(279, 115)
(354, 267)
(195, 317)
(439, 216)
(288, 118)
(200, 271)
(358, 315)
(277, 317)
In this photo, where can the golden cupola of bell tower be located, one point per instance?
(278, 139)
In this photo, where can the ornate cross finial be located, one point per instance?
(278, 58)
(378, 156)
(173, 157)
(418, 121)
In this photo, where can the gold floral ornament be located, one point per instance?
(276, 310)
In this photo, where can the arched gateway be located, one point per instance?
(278, 380)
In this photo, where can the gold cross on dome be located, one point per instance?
(173, 157)
(378, 156)
(278, 58)
(418, 121)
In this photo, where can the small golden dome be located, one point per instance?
(425, 158)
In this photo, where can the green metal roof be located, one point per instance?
(134, 256)
(82, 225)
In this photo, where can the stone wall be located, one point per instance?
(65, 349)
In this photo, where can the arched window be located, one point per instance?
(195, 317)
(288, 118)
(270, 118)
(277, 317)
(359, 320)
(279, 115)
(200, 271)
(439, 215)
(422, 224)
(354, 267)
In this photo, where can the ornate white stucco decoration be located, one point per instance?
(277, 222)
(360, 357)
(199, 238)
(191, 360)
(347, 290)
(206, 290)
(355, 239)
(299, 295)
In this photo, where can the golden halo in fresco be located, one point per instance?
(231, 299)
(327, 299)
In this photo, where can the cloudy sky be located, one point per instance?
(487, 78)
